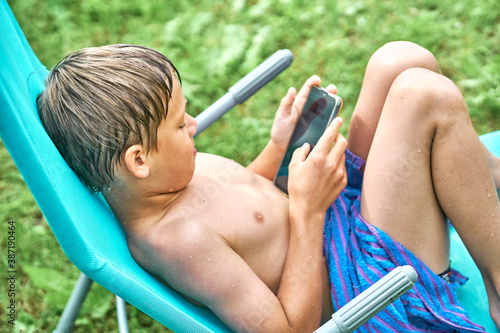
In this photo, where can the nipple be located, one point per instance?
(258, 217)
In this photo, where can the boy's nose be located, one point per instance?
(192, 125)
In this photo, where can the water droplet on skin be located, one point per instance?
(419, 150)
(209, 259)
(190, 257)
(489, 195)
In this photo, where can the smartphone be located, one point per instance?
(320, 109)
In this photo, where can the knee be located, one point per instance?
(395, 57)
(433, 93)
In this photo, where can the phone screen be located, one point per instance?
(320, 109)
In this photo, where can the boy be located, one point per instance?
(223, 236)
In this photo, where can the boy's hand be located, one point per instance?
(316, 180)
(289, 111)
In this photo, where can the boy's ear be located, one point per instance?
(135, 160)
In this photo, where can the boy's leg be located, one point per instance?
(382, 69)
(384, 66)
(426, 162)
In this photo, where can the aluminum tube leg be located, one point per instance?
(121, 313)
(245, 87)
(74, 304)
(214, 112)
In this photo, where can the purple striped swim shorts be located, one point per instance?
(359, 254)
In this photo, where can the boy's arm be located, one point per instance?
(203, 267)
(268, 161)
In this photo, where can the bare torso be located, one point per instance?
(245, 209)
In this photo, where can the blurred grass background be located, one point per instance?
(214, 44)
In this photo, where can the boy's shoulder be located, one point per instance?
(169, 242)
(176, 253)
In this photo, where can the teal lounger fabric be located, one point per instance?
(82, 223)
(473, 295)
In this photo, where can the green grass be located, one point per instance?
(214, 44)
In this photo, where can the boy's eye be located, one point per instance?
(183, 125)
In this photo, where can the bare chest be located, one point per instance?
(243, 208)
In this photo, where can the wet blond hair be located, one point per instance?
(99, 101)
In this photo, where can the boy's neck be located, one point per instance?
(136, 207)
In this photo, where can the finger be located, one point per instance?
(338, 150)
(339, 169)
(342, 161)
(287, 102)
(300, 154)
(326, 141)
(332, 89)
(303, 93)
(306, 88)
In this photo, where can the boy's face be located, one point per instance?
(172, 166)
